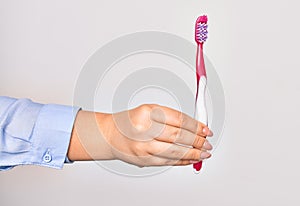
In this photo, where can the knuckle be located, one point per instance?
(153, 105)
(144, 162)
(175, 134)
(184, 119)
(141, 119)
(148, 107)
(195, 155)
(182, 162)
(153, 148)
(182, 136)
(138, 149)
(200, 128)
(197, 127)
(144, 109)
(176, 153)
(198, 142)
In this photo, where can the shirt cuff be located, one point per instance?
(51, 135)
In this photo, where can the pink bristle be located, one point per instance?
(202, 19)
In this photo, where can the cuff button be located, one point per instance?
(47, 157)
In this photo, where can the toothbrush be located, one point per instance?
(200, 106)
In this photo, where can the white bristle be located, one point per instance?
(201, 32)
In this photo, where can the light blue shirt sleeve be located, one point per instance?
(33, 133)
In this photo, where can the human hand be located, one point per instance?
(153, 135)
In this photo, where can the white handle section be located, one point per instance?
(201, 110)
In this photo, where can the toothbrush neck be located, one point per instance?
(200, 66)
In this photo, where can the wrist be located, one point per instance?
(88, 139)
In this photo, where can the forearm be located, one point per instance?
(88, 141)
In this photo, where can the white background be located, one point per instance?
(254, 48)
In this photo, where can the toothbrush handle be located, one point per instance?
(201, 110)
(200, 104)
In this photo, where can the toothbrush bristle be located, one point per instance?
(203, 19)
(201, 29)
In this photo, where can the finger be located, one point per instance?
(178, 119)
(170, 134)
(177, 152)
(182, 163)
(159, 161)
(171, 162)
(144, 161)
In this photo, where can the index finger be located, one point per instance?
(178, 119)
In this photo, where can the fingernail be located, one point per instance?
(205, 130)
(193, 161)
(207, 145)
(205, 155)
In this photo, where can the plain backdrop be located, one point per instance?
(254, 48)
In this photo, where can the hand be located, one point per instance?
(149, 135)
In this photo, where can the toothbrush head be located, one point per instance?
(201, 29)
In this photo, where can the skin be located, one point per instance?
(149, 135)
